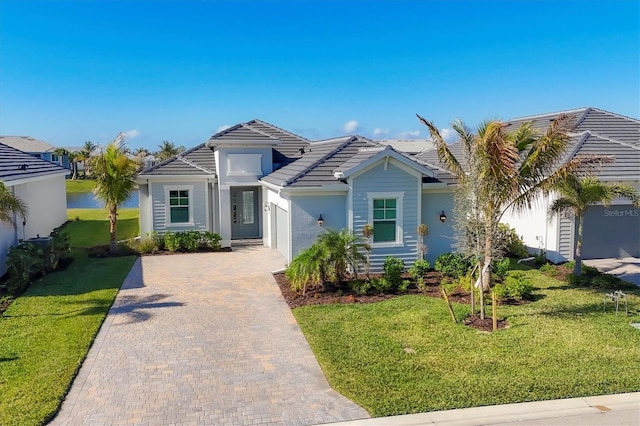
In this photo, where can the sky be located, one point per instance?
(85, 70)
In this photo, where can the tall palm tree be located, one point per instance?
(10, 205)
(85, 154)
(168, 150)
(576, 194)
(508, 169)
(115, 175)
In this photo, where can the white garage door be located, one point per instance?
(282, 232)
(612, 231)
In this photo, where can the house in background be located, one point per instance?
(41, 186)
(37, 148)
(608, 232)
(257, 181)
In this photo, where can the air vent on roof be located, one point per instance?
(23, 167)
(301, 150)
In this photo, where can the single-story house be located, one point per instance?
(37, 148)
(41, 186)
(612, 231)
(257, 181)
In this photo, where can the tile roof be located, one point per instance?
(16, 165)
(26, 144)
(291, 144)
(196, 161)
(410, 146)
(595, 132)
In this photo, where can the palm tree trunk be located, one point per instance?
(113, 218)
(577, 269)
(488, 258)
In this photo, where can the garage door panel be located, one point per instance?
(611, 232)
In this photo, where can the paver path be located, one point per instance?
(203, 339)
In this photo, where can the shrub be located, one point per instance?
(509, 239)
(24, 261)
(189, 241)
(540, 257)
(418, 271)
(549, 269)
(501, 267)
(454, 265)
(171, 241)
(516, 285)
(381, 284)
(342, 253)
(361, 286)
(147, 245)
(59, 249)
(393, 268)
(307, 267)
(211, 240)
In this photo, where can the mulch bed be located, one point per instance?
(330, 295)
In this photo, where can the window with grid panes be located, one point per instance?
(179, 206)
(384, 220)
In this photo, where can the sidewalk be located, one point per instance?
(619, 410)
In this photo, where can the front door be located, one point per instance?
(245, 220)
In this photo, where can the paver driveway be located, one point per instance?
(203, 339)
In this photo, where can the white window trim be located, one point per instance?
(167, 216)
(399, 196)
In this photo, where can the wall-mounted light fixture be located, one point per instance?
(320, 220)
(266, 207)
(443, 217)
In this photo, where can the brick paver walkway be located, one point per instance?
(203, 339)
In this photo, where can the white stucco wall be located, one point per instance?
(47, 202)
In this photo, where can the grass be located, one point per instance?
(93, 227)
(46, 333)
(561, 345)
(80, 185)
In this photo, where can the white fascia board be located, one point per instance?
(386, 153)
(271, 186)
(21, 181)
(324, 190)
(229, 143)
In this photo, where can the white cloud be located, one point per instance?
(223, 127)
(350, 126)
(449, 135)
(379, 132)
(131, 134)
(409, 134)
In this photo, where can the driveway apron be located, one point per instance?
(203, 339)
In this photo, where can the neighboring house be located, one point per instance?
(608, 232)
(408, 146)
(255, 180)
(41, 186)
(37, 148)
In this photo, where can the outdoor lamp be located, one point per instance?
(443, 217)
(320, 220)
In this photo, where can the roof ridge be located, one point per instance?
(635, 120)
(527, 117)
(319, 161)
(279, 129)
(170, 159)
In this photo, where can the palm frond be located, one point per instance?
(444, 153)
(11, 205)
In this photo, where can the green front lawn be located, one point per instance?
(561, 345)
(93, 227)
(80, 185)
(46, 333)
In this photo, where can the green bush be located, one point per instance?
(501, 267)
(211, 240)
(549, 269)
(172, 241)
(516, 286)
(360, 286)
(454, 265)
(307, 268)
(189, 241)
(419, 269)
(393, 268)
(381, 285)
(147, 245)
(24, 261)
(509, 239)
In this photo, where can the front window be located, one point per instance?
(384, 220)
(179, 206)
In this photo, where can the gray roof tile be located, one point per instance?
(196, 161)
(16, 165)
(26, 144)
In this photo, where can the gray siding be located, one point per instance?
(565, 238)
(198, 201)
(441, 235)
(305, 211)
(393, 179)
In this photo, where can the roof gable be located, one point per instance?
(27, 144)
(370, 155)
(195, 161)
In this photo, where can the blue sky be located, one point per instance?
(180, 70)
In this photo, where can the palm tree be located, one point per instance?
(74, 158)
(85, 154)
(506, 169)
(577, 194)
(168, 150)
(10, 205)
(115, 175)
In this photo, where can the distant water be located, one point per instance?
(86, 200)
